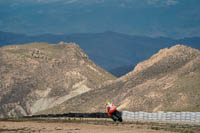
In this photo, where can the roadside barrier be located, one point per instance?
(131, 116)
(73, 115)
(162, 116)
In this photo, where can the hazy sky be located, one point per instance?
(169, 18)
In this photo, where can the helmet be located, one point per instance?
(107, 102)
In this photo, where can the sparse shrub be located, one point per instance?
(155, 128)
(187, 131)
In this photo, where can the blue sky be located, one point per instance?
(169, 18)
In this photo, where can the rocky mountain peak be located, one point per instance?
(176, 54)
(39, 76)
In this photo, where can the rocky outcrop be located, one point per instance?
(38, 76)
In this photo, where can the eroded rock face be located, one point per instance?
(168, 81)
(38, 76)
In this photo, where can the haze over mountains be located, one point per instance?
(110, 50)
(168, 18)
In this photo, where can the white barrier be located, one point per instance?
(163, 116)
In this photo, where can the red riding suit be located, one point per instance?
(111, 108)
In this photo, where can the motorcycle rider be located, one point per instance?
(112, 110)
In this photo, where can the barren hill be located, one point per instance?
(168, 81)
(38, 76)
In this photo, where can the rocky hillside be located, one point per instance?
(168, 81)
(38, 76)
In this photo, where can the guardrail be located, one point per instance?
(131, 116)
(73, 115)
(163, 116)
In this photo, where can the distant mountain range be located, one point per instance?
(120, 71)
(169, 18)
(110, 50)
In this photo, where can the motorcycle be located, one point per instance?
(116, 116)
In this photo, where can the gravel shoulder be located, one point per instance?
(56, 127)
(89, 126)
